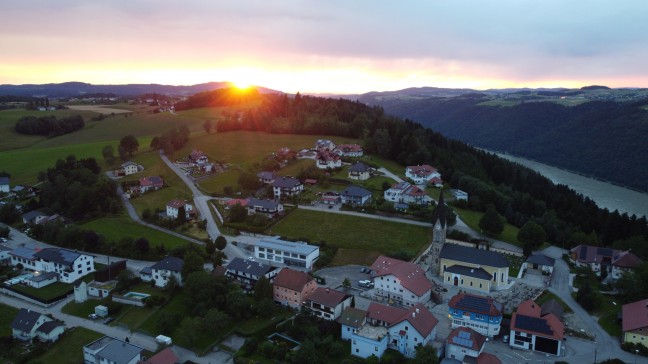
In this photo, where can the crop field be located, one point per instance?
(118, 227)
(101, 109)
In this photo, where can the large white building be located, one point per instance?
(67, 264)
(297, 254)
(421, 174)
(400, 281)
(162, 271)
(405, 192)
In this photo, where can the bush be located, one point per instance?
(154, 300)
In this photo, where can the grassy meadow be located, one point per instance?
(7, 314)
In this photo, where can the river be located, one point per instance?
(605, 195)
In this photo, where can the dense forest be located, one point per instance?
(518, 193)
(604, 139)
(219, 97)
(49, 125)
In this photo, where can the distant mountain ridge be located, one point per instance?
(76, 89)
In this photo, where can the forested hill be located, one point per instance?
(604, 139)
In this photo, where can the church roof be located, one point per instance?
(439, 213)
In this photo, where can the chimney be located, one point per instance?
(417, 310)
(413, 314)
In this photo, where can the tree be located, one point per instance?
(108, 153)
(189, 329)
(142, 245)
(219, 256)
(262, 289)
(587, 297)
(425, 354)
(532, 236)
(215, 320)
(207, 125)
(192, 263)
(237, 213)
(346, 283)
(182, 215)
(491, 222)
(129, 144)
(210, 247)
(220, 242)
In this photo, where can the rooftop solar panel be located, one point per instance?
(533, 324)
(583, 252)
(604, 251)
(474, 303)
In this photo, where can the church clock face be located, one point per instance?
(438, 227)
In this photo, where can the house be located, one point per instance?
(471, 268)
(69, 265)
(400, 281)
(324, 144)
(464, 342)
(389, 327)
(173, 208)
(635, 322)
(29, 324)
(166, 356)
(355, 196)
(615, 262)
(25, 257)
(292, 288)
(4, 184)
(269, 208)
(330, 198)
(286, 186)
(34, 217)
(530, 330)
(327, 160)
(359, 171)
(459, 195)
(5, 258)
(130, 168)
(541, 262)
(350, 150)
(151, 183)
(248, 272)
(101, 289)
(351, 320)
(198, 157)
(267, 177)
(405, 192)
(42, 279)
(436, 182)
(328, 303)
(146, 274)
(421, 174)
(298, 254)
(236, 201)
(479, 313)
(109, 350)
(162, 271)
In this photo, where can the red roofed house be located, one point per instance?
(166, 356)
(292, 288)
(400, 281)
(464, 344)
(326, 159)
(530, 330)
(151, 183)
(198, 157)
(615, 261)
(421, 174)
(394, 328)
(405, 192)
(236, 201)
(328, 303)
(635, 322)
(350, 150)
(174, 206)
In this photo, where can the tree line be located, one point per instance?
(49, 125)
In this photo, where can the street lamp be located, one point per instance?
(636, 355)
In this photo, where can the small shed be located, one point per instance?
(101, 311)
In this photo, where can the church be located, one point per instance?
(463, 266)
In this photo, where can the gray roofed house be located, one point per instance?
(355, 195)
(58, 256)
(33, 217)
(286, 182)
(267, 177)
(470, 272)
(541, 259)
(169, 263)
(29, 324)
(287, 186)
(111, 350)
(49, 326)
(248, 272)
(4, 184)
(266, 207)
(162, 271)
(473, 255)
(360, 167)
(26, 320)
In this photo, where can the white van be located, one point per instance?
(366, 283)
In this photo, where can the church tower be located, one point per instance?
(439, 228)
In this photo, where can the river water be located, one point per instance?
(605, 195)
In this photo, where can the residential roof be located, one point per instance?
(359, 167)
(176, 203)
(119, 351)
(528, 318)
(473, 255)
(292, 279)
(25, 320)
(197, 154)
(289, 246)
(146, 271)
(23, 252)
(475, 303)
(552, 306)
(249, 266)
(32, 215)
(44, 276)
(58, 255)
(166, 356)
(265, 204)
(5, 248)
(418, 316)
(169, 263)
(469, 271)
(487, 358)
(4, 181)
(389, 314)
(266, 175)
(466, 338)
(439, 212)
(286, 182)
(411, 276)
(422, 171)
(151, 181)
(353, 317)
(355, 191)
(626, 259)
(414, 191)
(49, 326)
(635, 315)
(328, 297)
(541, 259)
(129, 163)
(347, 148)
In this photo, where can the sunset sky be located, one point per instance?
(330, 46)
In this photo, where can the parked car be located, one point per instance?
(93, 316)
(108, 320)
(366, 283)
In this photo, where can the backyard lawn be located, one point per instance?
(50, 291)
(7, 314)
(69, 349)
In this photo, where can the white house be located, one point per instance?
(269, 208)
(391, 327)
(401, 281)
(328, 303)
(29, 324)
(531, 330)
(350, 150)
(166, 268)
(130, 168)
(355, 195)
(298, 254)
(69, 265)
(4, 184)
(464, 342)
(109, 350)
(174, 206)
(266, 177)
(286, 186)
(421, 174)
(480, 313)
(25, 257)
(405, 192)
(359, 171)
(326, 159)
(459, 195)
(324, 144)
(248, 272)
(34, 217)
(615, 262)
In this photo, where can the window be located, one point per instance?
(471, 283)
(375, 348)
(461, 280)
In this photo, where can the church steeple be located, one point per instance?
(439, 227)
(440, 213)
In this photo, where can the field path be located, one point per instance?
(101, 109)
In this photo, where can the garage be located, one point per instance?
(546, 345)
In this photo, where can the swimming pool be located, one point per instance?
(136, 295)
(18, 279)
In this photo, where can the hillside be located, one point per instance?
(604, 139)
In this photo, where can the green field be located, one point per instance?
(116, 228)
(50, 291)
(351, 232)
(471, 218)
(7, 314)
(69, 349)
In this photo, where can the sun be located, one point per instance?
(241, 85)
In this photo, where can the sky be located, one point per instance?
(329, 46)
